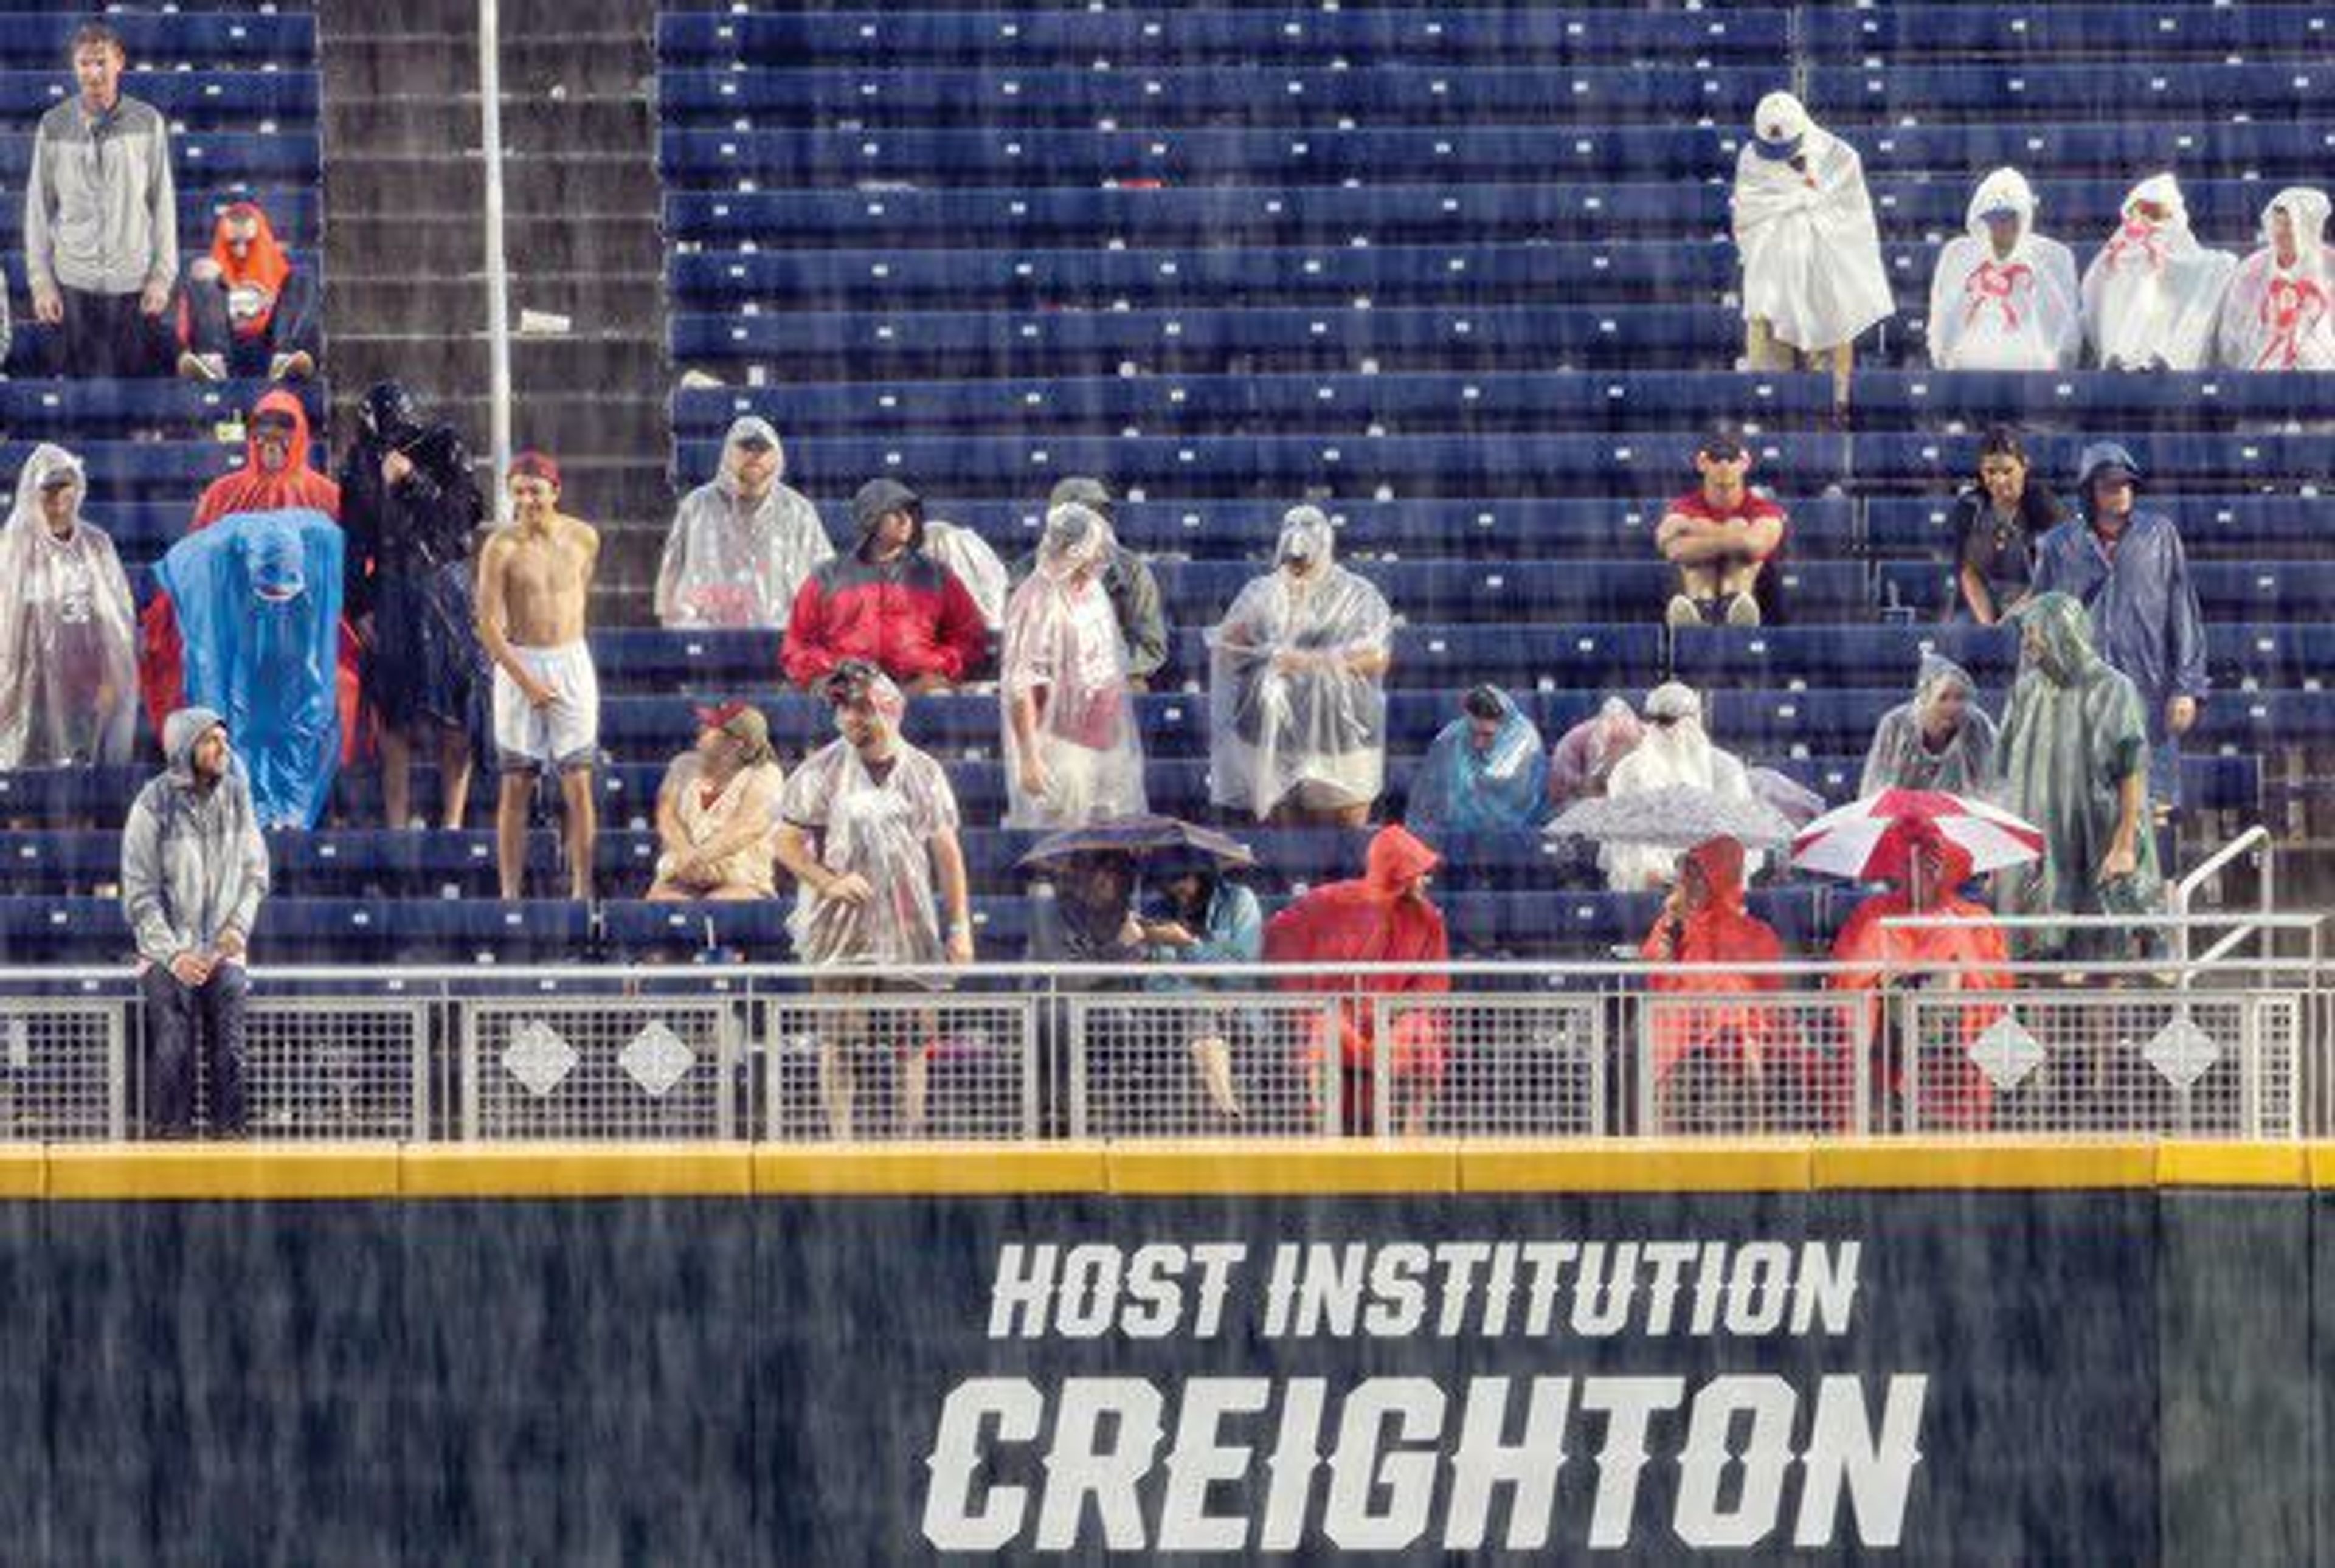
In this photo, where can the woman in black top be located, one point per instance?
(1996, 524)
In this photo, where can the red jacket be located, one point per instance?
(1378, 918)
(909, 617)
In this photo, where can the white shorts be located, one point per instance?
(565, 735)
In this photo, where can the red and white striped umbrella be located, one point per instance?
(1867, 840)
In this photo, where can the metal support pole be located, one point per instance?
(490, 123)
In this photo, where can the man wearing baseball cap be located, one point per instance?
(1720, 536)
(888, 603)
(717, 811)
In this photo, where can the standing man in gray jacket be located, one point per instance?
(193, 871)
(102, 222)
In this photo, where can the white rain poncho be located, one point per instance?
(733, 562)
(1674, 751)
(68, 637)
(1286, 709)
(1803, 226)
(2153, 295)
(2276, 315)
(968, 556)
(1994, 312)
(1064, 654)
(880, 831)
(1901, 756)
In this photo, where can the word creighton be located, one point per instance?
(1261, 1465)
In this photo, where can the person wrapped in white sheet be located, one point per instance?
(2276, 314)
(1296, 687)
(1674, 751)
(2153, 295)
(68, 636)
(1073, 752)
(2004, 297)
(1812, 274)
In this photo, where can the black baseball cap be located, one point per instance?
(1723, 445)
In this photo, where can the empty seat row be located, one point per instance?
(296, 211)
(193, 98)
(39, 40)
(2055, 31)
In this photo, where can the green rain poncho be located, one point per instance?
(2074, 733)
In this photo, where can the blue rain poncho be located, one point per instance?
(1900, 757)
(1463, 787)
(258, 600)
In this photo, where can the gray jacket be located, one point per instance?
(193, 864)
(99, 213)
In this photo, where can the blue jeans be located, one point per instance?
(182, 1021)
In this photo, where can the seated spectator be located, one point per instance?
(1073, 754)
(259, 598)
(888, 603)
(1383, 917)
(246, 311)
(1812, 274)
(1202, 916)
(413, 512)
(1134, 591)
(193, 871)
(102, 222)
(2004, 297)
(1721, 537)
(1296, 688)
(742, 543)
(2153, 295)
(1996, 525)
(1675, 751)
(1942, 740)
(1485, 773)
(1870, 957)
(68, 638)
(717, 812)
(2276, 317)
(969, 559)
(1585, 754)
(1721, 1054)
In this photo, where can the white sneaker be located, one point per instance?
(294, 366)
(1743, 610)
(202, 366)
(1683, 613)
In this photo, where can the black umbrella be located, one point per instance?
(1142, 838)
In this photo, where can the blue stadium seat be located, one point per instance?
(2239, 593)
(295, 212)
(133, 468)
(2079, 399)
(2173, 460)
(72, 412)
(39, 40)
(2041, 89)
(2040, 32)
(201, 98)
(206, 159)
(2254, 526)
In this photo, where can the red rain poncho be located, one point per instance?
(258, 280)
(1721, 932)
(1378, 918)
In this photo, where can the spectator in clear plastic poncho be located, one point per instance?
(2075, 763)
(2153, 297)
(1942, 740)
(1485, 773)
(968, 558)
(743, 542)
(1073, 754)
(68, 636)
(1812, 274)
(717, 811)
(1134, 590)
(1675, 750)
(867, 826)
(1296, 688)
(2277, 315)
(2004, 297)
(1585, 755)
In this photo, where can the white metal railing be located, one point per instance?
(498, 351)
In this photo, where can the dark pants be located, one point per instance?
(106, 334)
(291, 328)
(182, 1021)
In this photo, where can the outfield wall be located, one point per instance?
(1400, 1355)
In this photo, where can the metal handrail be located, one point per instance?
(2182, 891)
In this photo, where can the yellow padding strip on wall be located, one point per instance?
(882, 1169)
(134, 1171)
(1897, 1165)
(1637, 1166)
(578, 1170)
(1266, 1169)
(2231, 1165)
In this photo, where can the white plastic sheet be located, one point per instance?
(2277, 314)
(1064, 655)
(2153, 295)
(1995, 311)
(1803, 226)
(733, 562)
(68, 647)
(1674, 751)
(976, 566)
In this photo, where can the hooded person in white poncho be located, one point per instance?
(741, 542)
(1073, 752)
(2276, 315)
(971, 562)
(1296, 686)
(2153, 295)
(2004, 297)
(1675, 750)
(1812, 272)
(68, 638)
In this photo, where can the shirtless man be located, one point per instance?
(535, 577)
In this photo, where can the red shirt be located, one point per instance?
(1755, 508)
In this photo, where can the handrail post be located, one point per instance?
(498, 361)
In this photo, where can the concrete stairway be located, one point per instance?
(406, 254)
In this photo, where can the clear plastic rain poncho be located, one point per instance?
(1990, 311)
(1063, 653)
(1674, 751)
(1585, 755)
(68, 634)
(258, 598)
(733, 562)
(2276, 317)
(1900, 757)
(2073, 733)
(1803, 226)
(2153, 295)
(881, 830)
(1462, 788)
(1286, 709)
(968, 556)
